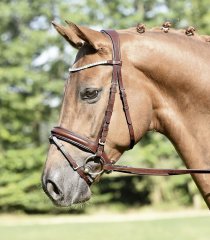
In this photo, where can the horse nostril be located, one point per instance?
(54, 191)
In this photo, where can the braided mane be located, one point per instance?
(166, 27)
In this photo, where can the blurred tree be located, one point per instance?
(28, 89)
(33, 66)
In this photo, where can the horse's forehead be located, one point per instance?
(85, 53)
(83, 59)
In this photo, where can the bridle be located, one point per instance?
(96, 149)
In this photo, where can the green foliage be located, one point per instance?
(28, 86)
(20, 174)
(33, 66)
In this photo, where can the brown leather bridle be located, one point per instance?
(96, 149)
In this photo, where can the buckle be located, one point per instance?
(114, 62)
(101, 143)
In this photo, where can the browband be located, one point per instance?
(107, 62)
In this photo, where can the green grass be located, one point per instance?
(169, 229)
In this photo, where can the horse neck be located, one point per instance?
(178, 70)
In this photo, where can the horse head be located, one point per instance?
(86, 103)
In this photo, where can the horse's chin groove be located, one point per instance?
(81, 197)
(77, 199)
(76, 202)
(61, 203)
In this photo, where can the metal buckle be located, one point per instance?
(76, 168)
(101, 143)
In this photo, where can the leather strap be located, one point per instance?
(117, 56)
(153, 171)
(71, 161)
(116, 79)
(77, 140)
(74, 139)
(108, 166)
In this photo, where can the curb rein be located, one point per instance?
(97, 148)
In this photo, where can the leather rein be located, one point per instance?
(96, 149)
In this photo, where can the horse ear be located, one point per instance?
(94, 38)
(77, 36)
(69, 34)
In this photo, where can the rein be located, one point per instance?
(96, 149)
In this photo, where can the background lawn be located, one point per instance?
(196, 228)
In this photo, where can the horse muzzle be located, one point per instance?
(64, 186)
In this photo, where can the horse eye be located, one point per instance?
(90, 94)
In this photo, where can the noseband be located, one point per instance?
(96, 149)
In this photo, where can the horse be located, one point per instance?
(166, 75)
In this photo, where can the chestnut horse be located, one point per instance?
(166, 75)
